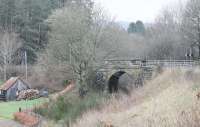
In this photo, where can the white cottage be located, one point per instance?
(10, 89)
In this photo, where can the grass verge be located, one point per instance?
(8, 108)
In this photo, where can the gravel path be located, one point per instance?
(9, 123)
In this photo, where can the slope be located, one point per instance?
(169, 100)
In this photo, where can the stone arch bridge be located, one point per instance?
(137, 69)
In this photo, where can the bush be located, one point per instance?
(26, 119)
(70, 107)
(66, 83)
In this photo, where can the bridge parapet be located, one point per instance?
(147, 67)
(141, 70)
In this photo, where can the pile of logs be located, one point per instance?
(28, 94)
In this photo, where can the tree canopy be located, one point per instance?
(137, 27)
(26, 18)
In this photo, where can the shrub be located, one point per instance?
(70, 107)
(26, 119)
(66, 83)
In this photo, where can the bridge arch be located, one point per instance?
(120, 80)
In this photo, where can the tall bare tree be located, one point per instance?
(9, 44)
(165, 35)
(80, 39)
(191, 23)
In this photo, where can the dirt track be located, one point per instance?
(9, 123)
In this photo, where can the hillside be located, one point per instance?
(166, 101)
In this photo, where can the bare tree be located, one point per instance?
(8, 46)
(80, 39)
(165, 36)
(191, 23)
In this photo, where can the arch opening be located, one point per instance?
(114, 81)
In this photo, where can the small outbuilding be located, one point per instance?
(10, 89)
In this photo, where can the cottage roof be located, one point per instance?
(9, 83)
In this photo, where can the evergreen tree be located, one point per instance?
(27, 18)
(132, 28)
(140, 27)
(7, 13)
(137, 27)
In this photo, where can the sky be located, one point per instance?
(132, 10)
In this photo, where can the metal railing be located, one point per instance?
(150, 63)
(172, 63)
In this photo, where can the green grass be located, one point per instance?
(8, 108)
(1, 82)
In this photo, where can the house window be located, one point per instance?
(0, 92)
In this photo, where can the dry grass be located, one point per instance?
(167, 101)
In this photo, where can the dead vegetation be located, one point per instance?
(167, 101)
(26, 119)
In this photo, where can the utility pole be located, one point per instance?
(39, 32)
(26, 67)
(5, 67)
(70, 54)
(198, 25)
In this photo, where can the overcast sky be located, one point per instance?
(132, 10)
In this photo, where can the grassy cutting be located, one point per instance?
(8, 108)
(169, 100)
